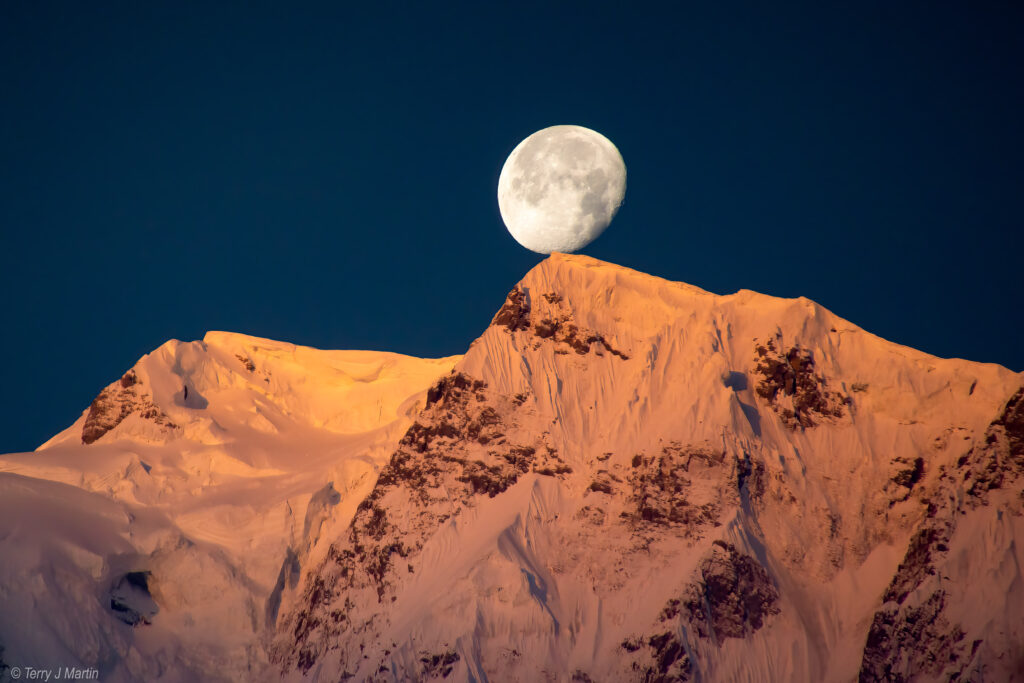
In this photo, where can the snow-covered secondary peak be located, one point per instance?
(208, 391)
(623, 479)
(208, 471)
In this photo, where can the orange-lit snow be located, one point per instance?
(275, 459)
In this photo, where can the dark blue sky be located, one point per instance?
(326, 175)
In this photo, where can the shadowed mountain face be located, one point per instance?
(623, 478)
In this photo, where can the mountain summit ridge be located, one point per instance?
(623, 478)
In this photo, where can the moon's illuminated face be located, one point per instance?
(560, 188)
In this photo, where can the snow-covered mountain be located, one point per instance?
(624, 478)
(207, 473)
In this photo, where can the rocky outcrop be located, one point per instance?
(558, 324)
(792, 387)
(438, 665)
(1012, 422)
(732, 596)
(910, 635)
(660, 486)
(918, 562)
(117, 402)
(660, 658)
(514, 314)
(905, 644)
(552, 322)
(998, 461)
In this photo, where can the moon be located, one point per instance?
(560, 188)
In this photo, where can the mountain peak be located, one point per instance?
(623, 478)
(570, 269)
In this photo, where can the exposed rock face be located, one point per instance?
(660, 486)
(559, 326)
(1012, 422)
(791, 386)
(667, 659)
(438, 665)
(554, 322)
(909, 476)
(733, 596)
(914, 643)
(907, 473)
(515, 312)
(118, 401)
(918, 563)
(998, 462)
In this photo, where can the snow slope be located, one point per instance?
(226, 461)
(624, 478)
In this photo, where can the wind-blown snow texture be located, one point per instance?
(624, 478)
